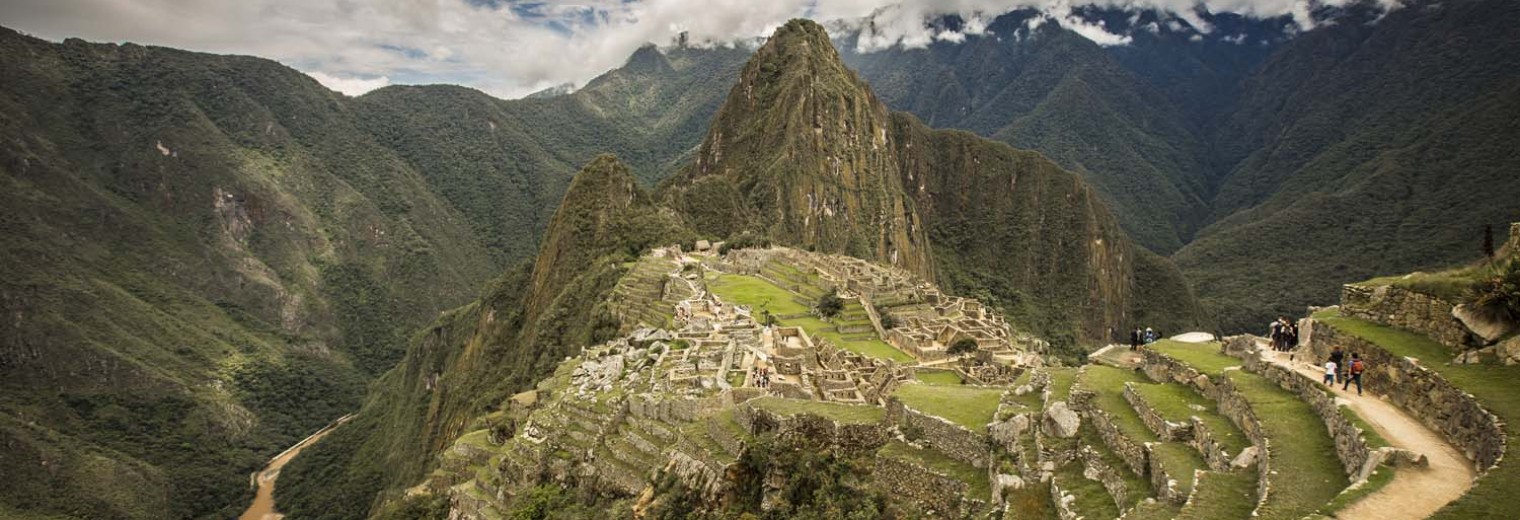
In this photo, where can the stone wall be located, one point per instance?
(1422, 393)
(1164, 429)
(943, 436)
(812, 430)
(946, 495)
(1095, 468)
(1350, 442)
(1233, 405)
(1214, 454)
(1408, 310)
(1133, 453)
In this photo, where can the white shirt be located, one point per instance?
(1329, 368)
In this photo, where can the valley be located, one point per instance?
(806, 275)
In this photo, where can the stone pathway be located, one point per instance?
(1414, 492)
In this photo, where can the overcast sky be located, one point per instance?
(511, 48)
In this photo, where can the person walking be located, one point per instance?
(1134, 339)
(1274, 331)
(1357, 367)
(1330, 371)
(1338, 357)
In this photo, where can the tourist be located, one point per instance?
(1355, 373)
(1337, 357)
(1150, 336)
(1134, 339)
(1330, 367)
(1292, 335)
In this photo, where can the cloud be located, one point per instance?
(349, 86)
(510, 48)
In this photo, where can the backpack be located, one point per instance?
(1356, 366)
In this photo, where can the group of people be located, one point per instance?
(761, 376)
(1284, 334)
(1338, 370)
(1138, 337)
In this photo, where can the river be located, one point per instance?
(262, 507)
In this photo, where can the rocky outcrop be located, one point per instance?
(1409, 310)
(1061, 421)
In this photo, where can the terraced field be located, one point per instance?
(968, 406)
(1494, 387)
(851, 331)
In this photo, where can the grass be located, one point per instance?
(1138, 488)
(1379, 478)
(1222, 495)
(1493, 385)
(875, 348)
(1060, 383)
(1107, 385)
(939, 378)
(969, 406)
(937, 462)
(1450, 285)
(1175, 402)
(1374, 439)
(756, 293)
(1303, 455)
(1091, 498)
(1205, 357)
(1180, 462)
(844, 413)
(759, 294)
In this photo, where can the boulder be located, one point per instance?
(1485, 329)
(1061, 421)
(1003, 484)
(1509, 350)
(1245, 459)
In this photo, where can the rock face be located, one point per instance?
(803, 153)
(1484, 329)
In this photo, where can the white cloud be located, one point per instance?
(349, 86)
(510, 48)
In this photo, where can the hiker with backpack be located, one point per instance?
(1355, 373)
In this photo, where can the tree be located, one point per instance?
(962, 347)
(1488, 241)
(829, 304)
(887, 321)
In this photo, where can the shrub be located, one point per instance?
(1497, 296)
(962, 347)
(887, 321)
(829, 304)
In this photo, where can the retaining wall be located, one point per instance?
(951, 439)
(1408, 310)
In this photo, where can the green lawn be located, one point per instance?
(755, 293)
(1495, 386)
(939, 378)
(1091, 498)
(939, 463)
(1222, 495)
(1107, 385)
(968, 406)
(875, 348)
(1205, 357)
(845, 413)
(1060, 383)
(759, 294)
(1176, 402)
(1308, 474)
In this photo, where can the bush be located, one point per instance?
(962, 347)
(829, 304)
(1497, 296)
(744, 240)
(887, 321)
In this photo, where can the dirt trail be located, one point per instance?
(1414, 492)
(263, 502)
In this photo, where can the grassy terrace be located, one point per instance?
(844, 413)
(968, 406)
(1177, 403)
(1303, 455)
(1060, 383)
(1107, 385)
(759, 294)
(1222, 495)
(1092, 500)
(1205, 357)
(975, 478)
(939, 378)
(1493, 385)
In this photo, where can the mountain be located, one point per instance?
(1051, 90)
(207, 257)
(1377, 145)
(473, 358)
(801, 153)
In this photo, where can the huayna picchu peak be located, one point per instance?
(1077, 261)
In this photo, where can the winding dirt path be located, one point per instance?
(263, 501)
(1414, 492)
